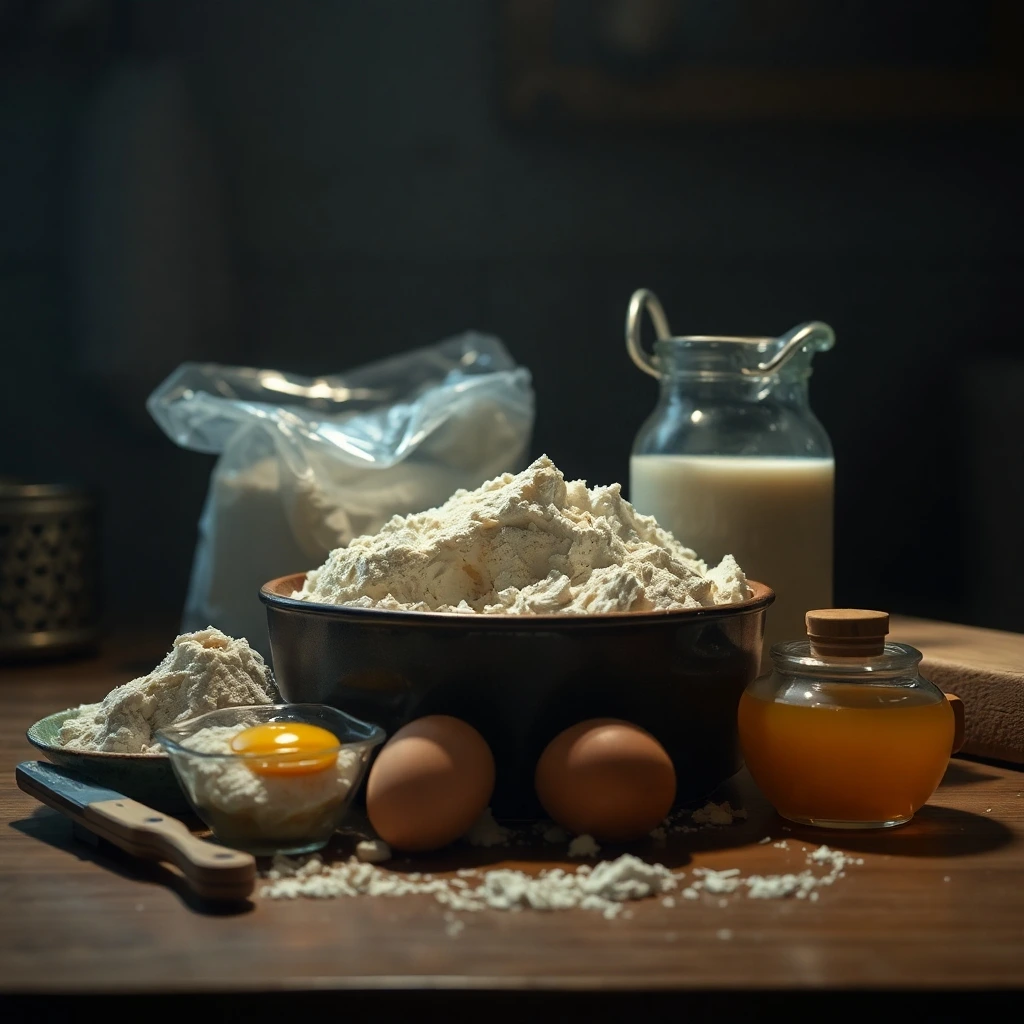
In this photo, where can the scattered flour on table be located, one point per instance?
(531, 543)
(602, 887)
(203, 671)
(717, 814)
(282, 804)
(487, 832)
(373, 851)
(584, 846)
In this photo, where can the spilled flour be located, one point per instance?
(533, 543)
(202, 672)
(602, 887)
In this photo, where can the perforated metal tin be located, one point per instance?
(49, 585)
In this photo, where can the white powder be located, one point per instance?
(773, 887)
(281, 806)
(203, 672)
(717, 814)
(487, 832)
(604, 889)
(717, 881)
(373, 851)
(526, 544)
(263, 520)
(584, 846)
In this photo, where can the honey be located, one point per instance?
(844, 732)
(866, 756)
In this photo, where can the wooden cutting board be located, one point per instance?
(985, 669)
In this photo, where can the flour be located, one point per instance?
(717, 814)
(532, 543)
(583, 846)
(203, 671)
(603, 887)
(282, 806)
(487, 832)
(373, 851)
(264, 520)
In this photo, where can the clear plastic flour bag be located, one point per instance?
(307, 464)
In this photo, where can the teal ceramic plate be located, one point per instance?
(148, 778)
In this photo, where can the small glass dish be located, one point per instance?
(270, 803)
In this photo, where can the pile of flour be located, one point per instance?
(282, 805)
(603, 887)
(532, 543)
(202, 672)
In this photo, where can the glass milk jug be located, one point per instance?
(733, 461)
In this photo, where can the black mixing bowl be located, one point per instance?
(522, 679)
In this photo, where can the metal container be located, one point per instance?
(522, 679)
(49, 571)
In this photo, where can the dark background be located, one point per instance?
(309, 186)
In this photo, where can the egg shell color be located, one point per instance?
(429, 783)
(606, 778)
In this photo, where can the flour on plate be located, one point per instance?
(533, 543)
(203, 671)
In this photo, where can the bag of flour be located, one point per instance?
(307, 464)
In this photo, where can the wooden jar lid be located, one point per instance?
(846, 632)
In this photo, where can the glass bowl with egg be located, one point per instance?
(273, 778)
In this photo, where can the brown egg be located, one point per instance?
(606, 778)
(430, 783)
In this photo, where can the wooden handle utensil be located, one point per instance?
(213, 872)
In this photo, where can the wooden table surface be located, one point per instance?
(936, 905)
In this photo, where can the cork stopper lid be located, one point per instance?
(846, 632)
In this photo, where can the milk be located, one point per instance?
(774, 514)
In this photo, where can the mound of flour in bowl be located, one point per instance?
(202, 672)
(531, 543)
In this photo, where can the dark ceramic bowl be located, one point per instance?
(522, 679)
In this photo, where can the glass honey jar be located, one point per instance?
(844, 732)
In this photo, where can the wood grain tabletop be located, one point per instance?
(935, 905)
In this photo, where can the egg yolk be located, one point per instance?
(290, 748)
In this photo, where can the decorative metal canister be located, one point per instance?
(49, 570)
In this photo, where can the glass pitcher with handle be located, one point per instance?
(733, 461)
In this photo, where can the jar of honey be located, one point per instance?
(845, 732)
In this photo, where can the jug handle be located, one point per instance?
(793, 340)
(643, 299)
